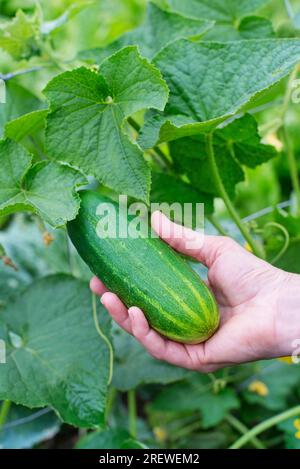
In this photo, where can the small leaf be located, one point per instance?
(47, 188)
(20, 36)
(255, 27)
(63, 362)
(19, 101)
(88, 110)
(236, 145)
(26, 125)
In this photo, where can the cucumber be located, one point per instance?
(147, 273)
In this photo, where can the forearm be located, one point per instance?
(287, 321)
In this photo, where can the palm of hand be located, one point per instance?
(242, 284)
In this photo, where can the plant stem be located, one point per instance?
(4, 412)
(265, 426)
(11, 75)
(103, 336)
(288, 93)
(131, 401)
(69, 254)
(134, 124)
(187, 430)
(255, 247)
(240, 427)
(112, 394)
(217, 225)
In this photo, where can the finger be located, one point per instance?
(97, 286)
(117, 310)
(161, 348)
(205, 249)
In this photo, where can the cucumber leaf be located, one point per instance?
(87, 114)
(54, 355)
(236, 145)
(210, 82)
(46, 188)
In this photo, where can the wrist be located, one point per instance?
(287, 320)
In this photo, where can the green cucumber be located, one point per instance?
(147, 273)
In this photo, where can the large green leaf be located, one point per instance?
(134, 366)
(159, 28)
(55, 357)
(88, 110)
(236, 145)
(47, 188)
(109, 439)
(210, 82)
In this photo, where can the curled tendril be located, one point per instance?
(286, 244)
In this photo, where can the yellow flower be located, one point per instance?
(287, 360)
(297, 424)
(297, 435)
(47, 238)
(259, 388)
(160, 434)
(272, 139)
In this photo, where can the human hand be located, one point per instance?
(258, 306)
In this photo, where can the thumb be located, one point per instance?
(203, 248)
